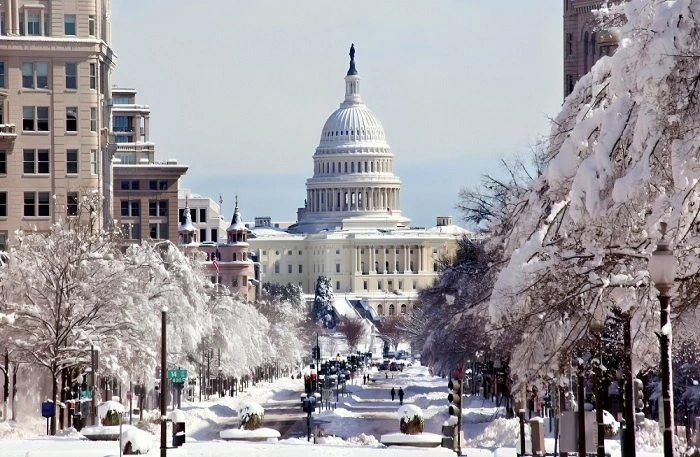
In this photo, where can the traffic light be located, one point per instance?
(638, 392)
(315, 352)
(307, 384)
(455, 398)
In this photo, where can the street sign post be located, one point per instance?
(177, 376)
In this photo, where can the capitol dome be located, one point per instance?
(351, 124)
(353, 185)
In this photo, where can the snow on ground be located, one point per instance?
(353, 428)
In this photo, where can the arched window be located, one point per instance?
(380, 310)
(346, 167)
(352, 167)
(333, 167)
(392, 310)
(403, 309)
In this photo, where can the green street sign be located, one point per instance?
(177, 376)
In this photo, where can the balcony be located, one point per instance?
(7, 136)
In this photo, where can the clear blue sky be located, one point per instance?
(239, 91)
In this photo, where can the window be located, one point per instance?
(69, 24)
(36, 161)
(435, 266)
(392, 310)
(35, 118)
(131, 231)
(569, 84)
(289, 252)
(337, 268)
(28, 75)
(93, 76)
(33, 24)
(71, 76)
(193, 215)
(120, 100)
(3, 241)
(93, 161)
(3, 204)
(277, 267)
(3, 163)
(202, 235)
(36, 204)
(234, 281)
(299, 252)
(158, 230)
(158, 208)
(411, 267)
(414, 285)
(380, 310)
(569, 44)
(72, 119)
(214, 235)
(2, 73)
(131, 208)
(337, 251)
(289, 269)
(163, 185)
(72, 161)
(35, 75)
(379, 285)
(202, 214)
(21, 23)
(403, 309)
(91, 25)
(337, 285)
(153, 185)
(72, 204)
(93, 119)
(300, 268)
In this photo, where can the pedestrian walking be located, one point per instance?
(400, 396)
(393, 393)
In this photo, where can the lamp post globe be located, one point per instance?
(662, 272)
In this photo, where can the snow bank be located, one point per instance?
(108, 406)
(258, 434)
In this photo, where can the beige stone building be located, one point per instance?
(585, 41)
(145, 191)
(55, 69)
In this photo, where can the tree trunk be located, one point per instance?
(54, 398)
(13, 391)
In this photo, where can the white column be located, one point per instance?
(420, 259)
(8, 14)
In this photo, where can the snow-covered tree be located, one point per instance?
(323, 301)
(621, 157)
(65, 292)
(292, 293)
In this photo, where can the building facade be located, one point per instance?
(585, 41)
(55, 91)
(145, 191)
(227, 262)
(205, 215)
(351, 228)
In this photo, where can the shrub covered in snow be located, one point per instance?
(411, 419)
(110, 413)
(251, 415)
(135, 441)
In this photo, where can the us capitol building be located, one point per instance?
(351, 228)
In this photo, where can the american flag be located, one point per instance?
(216, 265)
(221, 200)
(388, 211)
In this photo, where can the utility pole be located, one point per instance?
(630, 446)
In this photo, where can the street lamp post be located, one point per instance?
(163, 381)
(597, 328)
(662, 271)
